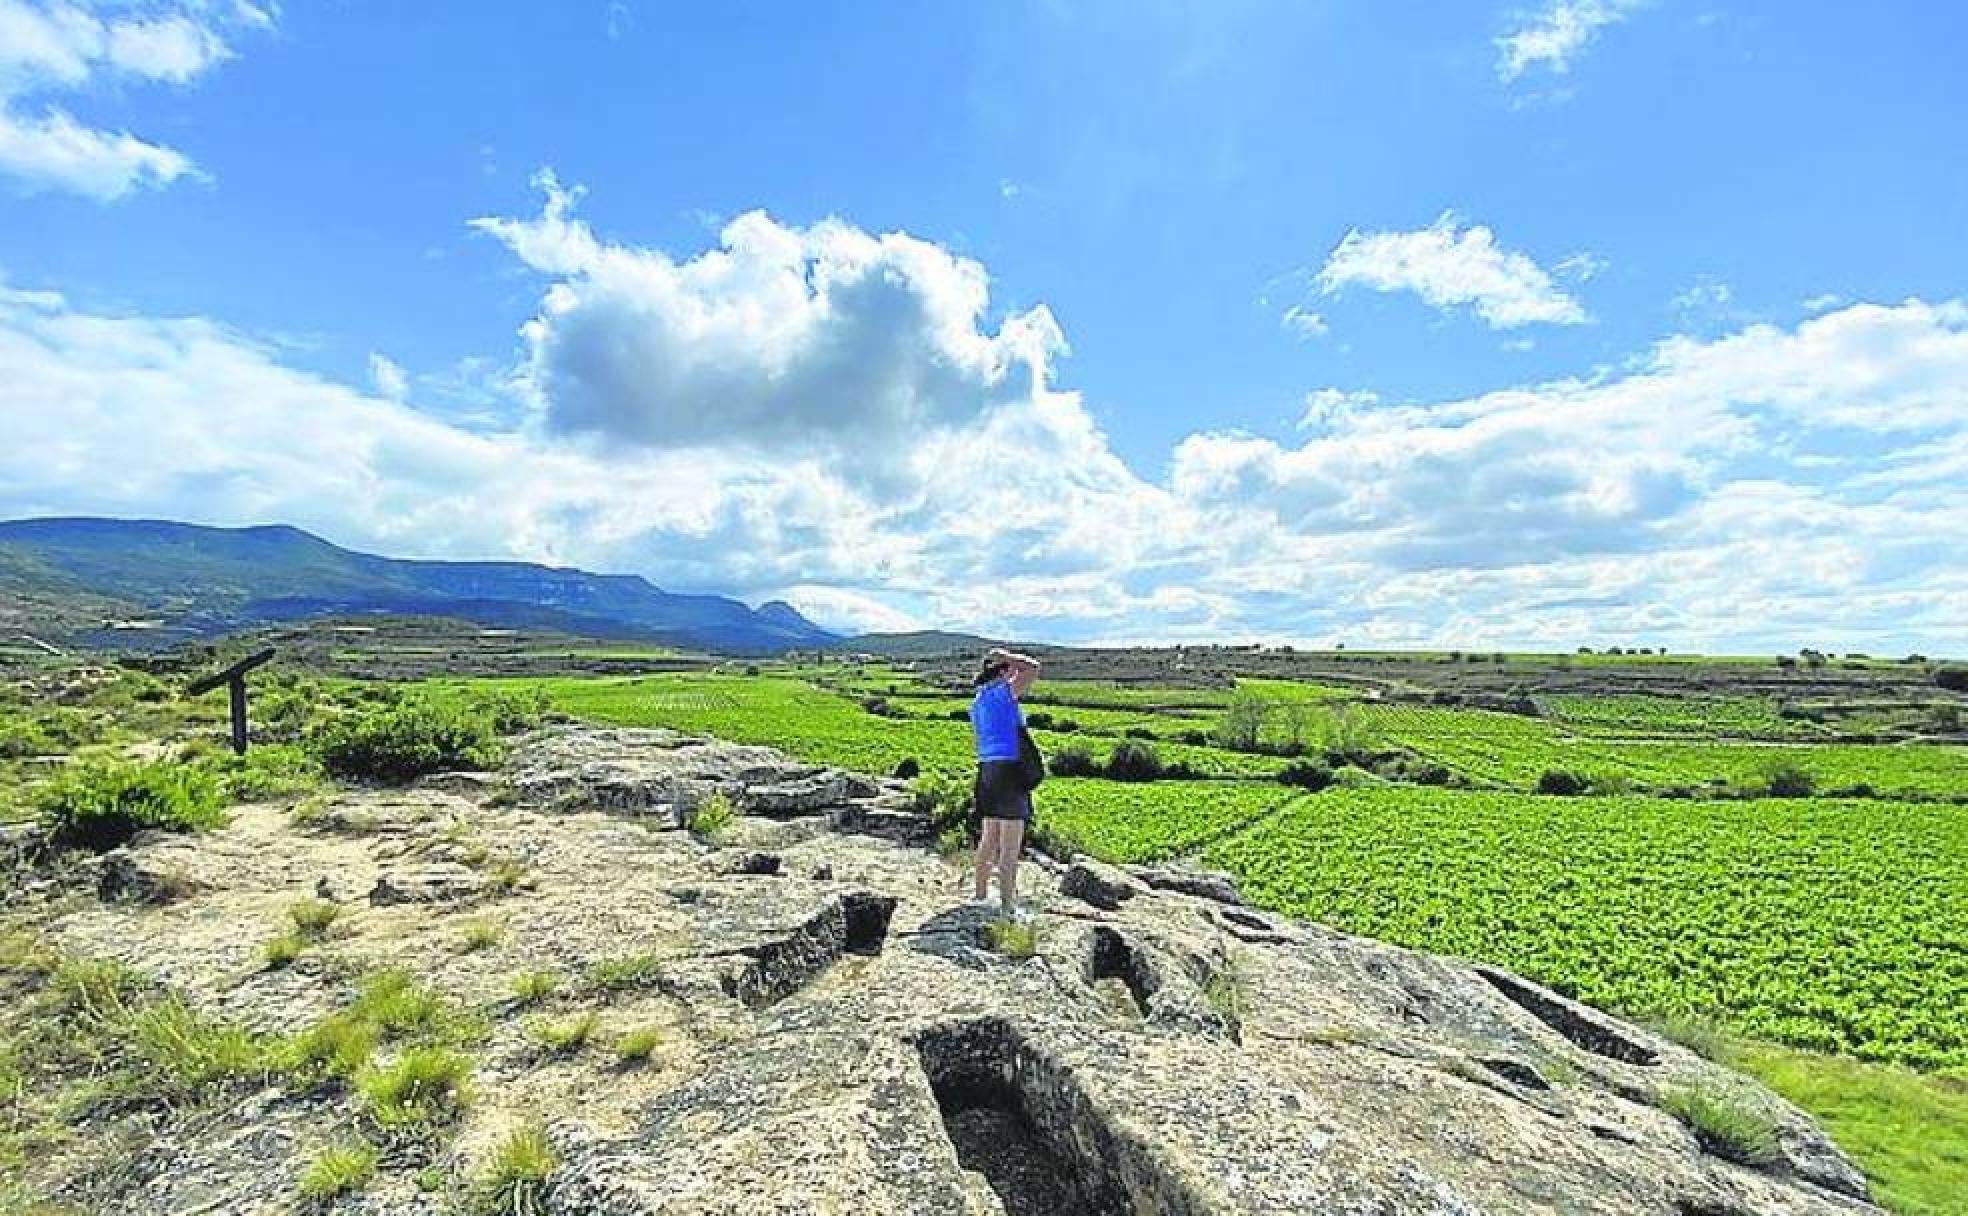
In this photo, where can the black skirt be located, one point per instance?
(1000, 794)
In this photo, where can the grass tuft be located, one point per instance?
(313, 917)
(636, 1046)
(1012, 939)
(283, 950)
(338, 1170)
(627, 972)
(1227, 990)
(532, 987)
(1725, 1124)
(515, 1179)
(563, 1037)
(481, 934)
(425, 1086)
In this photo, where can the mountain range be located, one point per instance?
(146, 583)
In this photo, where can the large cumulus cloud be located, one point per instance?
(1772, 486)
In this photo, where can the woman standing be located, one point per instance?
(1003, 797)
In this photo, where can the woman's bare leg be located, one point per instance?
(1011, 839)
(987, 856)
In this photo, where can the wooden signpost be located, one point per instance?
(234, 678)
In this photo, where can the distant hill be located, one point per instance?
(152, 582)
(914, 644)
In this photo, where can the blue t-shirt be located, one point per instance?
(995, 718)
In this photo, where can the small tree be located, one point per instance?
(1954, 679)
(1243, 722)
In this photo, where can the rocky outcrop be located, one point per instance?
(840, 1037)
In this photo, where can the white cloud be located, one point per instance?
(822, 340)
(388, 378)
(59, 47)
(54, 150)
(1327, 408)
(1448, 266)
(1556, 35)
(1303, 322)
(1770, 487)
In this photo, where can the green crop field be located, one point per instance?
(1512, 750)
(822, 726)
(1631, 715)
(1838, 925)
(1150, 821)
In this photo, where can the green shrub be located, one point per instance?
(266, 771)
(1562, 782)
(101, 805)
(712, 817)
(511, 709)
(1306, 774)
(1134, 761)
(1787, 779)
(426, 1085)
(1954, 679)
(1724, 1124)
(1073, 761)
(20, 739)
(515, 1179)
(416, 736)
(338, 1170)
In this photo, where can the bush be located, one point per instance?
(267, 770)
(1954, 679)
(1039, 721)
(101, 805)
(1786, 779)
(1073, 762)
(1562, 782)
(712, 817)
(398, 742)
(1133, 761)
(1306, 775)
(21, 739)
(1137, 732)
(1196, 738)
(511, 709)
(908, 768)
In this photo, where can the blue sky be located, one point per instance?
(1577, 321)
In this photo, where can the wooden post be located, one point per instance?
(234, 678)
(237, 687)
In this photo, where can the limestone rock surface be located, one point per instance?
(836, 1036)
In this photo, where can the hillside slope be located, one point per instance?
(186, 580)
